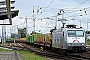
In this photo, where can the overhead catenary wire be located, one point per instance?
(45, 8)
(44, 3)
(75, 8)
(82, 13)
(41, 7)
(87, 0)
(48, 5)
(51, 2)
(36, 5)
(76, 5)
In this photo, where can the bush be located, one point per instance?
(88, 41)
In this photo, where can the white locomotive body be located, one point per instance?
(69, 38)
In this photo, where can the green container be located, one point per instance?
(9, 39)
(31, 39)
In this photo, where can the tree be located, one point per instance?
(13, 35)
(88, 32)
(23, 34)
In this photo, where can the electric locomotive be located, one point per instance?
(69, 38)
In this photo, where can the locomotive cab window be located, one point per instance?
(79, 33)
(71, 33)
(75, 33)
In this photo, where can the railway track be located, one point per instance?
(51, 54)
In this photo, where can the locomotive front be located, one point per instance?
(76, 39)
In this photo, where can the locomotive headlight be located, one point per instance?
(82, 44)
(69, 44)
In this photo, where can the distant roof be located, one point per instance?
(4, 14)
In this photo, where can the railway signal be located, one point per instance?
(3, 2)
(6, 12)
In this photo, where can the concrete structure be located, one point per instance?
(10, 56)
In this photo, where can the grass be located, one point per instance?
(30, 56)
(26, 55)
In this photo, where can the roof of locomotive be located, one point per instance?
(70, 26)
(73, 26)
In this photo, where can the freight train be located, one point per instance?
(69, 38)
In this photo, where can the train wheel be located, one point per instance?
(65, 52)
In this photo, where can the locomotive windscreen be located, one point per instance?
(75, 33)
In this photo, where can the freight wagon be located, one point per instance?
(41, 39)
(67, 38)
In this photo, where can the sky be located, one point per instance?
(79, 10)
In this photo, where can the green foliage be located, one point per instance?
(13, 35)
(88, 32)
(88, 41)
(23, 34)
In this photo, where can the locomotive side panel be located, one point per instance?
(57, 39)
